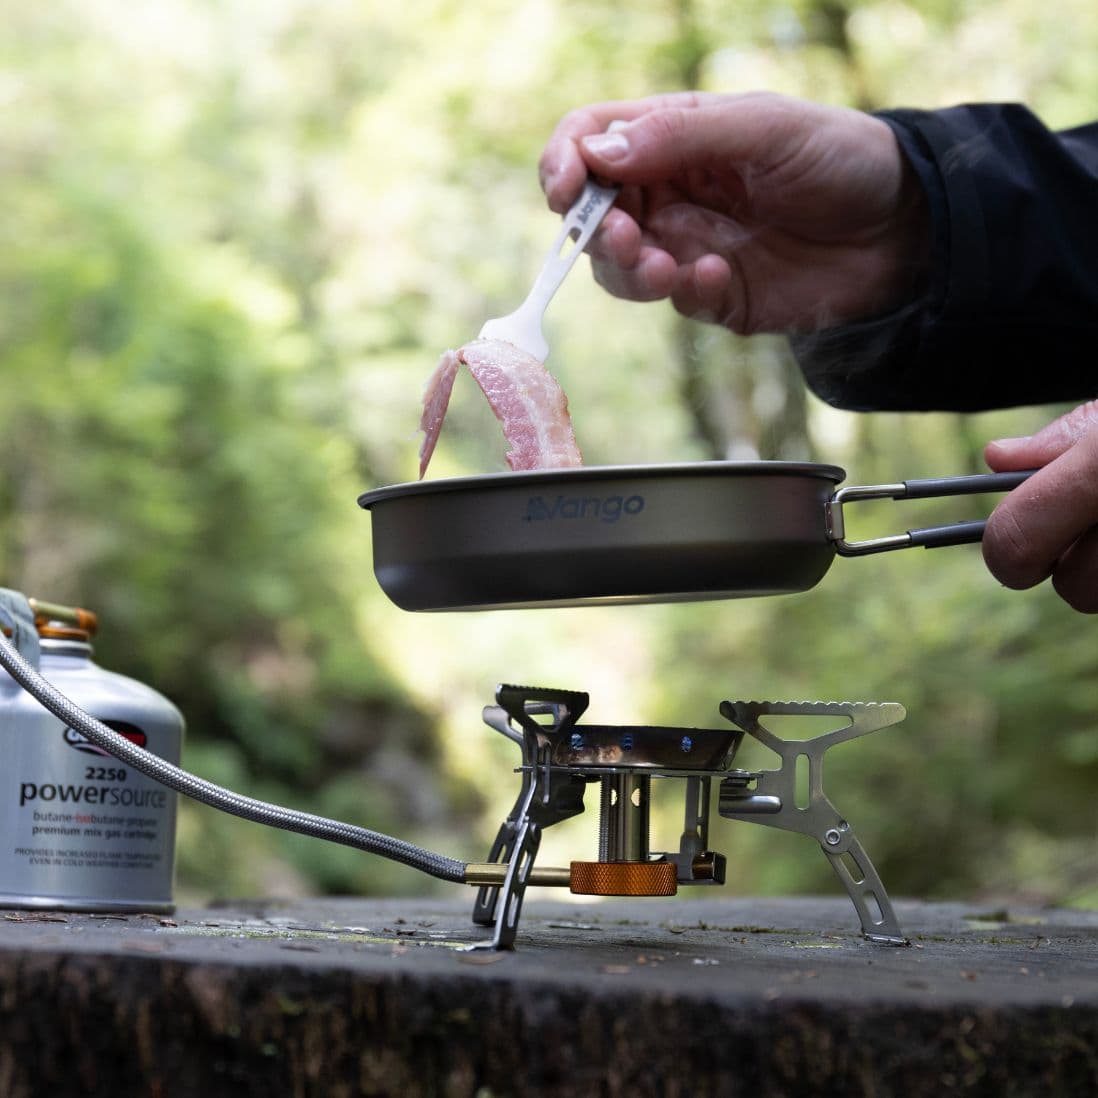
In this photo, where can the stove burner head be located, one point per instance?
(594, 747)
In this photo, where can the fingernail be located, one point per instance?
(609, 146)
(1010, 443)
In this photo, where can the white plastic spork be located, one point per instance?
(523, 327)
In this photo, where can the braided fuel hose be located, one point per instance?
(225, 800)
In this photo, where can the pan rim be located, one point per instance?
(501, 480)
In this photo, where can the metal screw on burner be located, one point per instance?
(834, 835)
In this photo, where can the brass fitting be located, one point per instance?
(493, 873)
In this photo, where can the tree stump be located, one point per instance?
(676, 997)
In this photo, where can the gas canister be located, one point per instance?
(80, 830)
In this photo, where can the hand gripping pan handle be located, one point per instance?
(931, 537)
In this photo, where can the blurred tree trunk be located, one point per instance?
(827, 26)
(711, 432)
(744, 396)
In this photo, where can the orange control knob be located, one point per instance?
(623, 879)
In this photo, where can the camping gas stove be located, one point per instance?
(561, 757)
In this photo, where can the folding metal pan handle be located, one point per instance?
(930, 537)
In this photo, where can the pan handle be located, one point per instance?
(932, 537)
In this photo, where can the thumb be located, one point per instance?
(1054, 439)
(747, 131)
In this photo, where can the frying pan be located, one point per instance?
(633, 533)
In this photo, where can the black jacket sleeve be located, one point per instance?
(1010, 315)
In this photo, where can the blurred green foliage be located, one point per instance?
(235, 238)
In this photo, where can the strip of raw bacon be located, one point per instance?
(525, 397)
(436, 399)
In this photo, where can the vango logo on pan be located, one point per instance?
(603, 508)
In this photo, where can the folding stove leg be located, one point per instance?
(506, 840)
(503, 850)
(867, 894)
(769, 798)
(540, 803)
(516, 844)
(518, 837)
(484, 907)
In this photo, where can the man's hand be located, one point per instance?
(1049, 524)
(759, 212)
